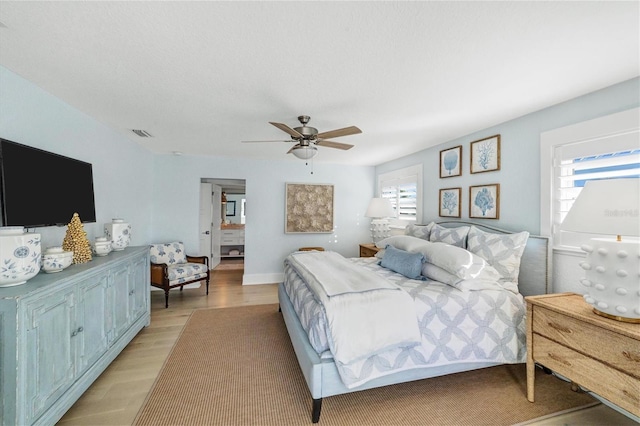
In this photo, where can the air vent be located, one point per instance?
(142, 133)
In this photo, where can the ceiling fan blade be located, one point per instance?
(287, 129)
(352, 130)
(332, 144)
(279, 140)
(292, 148)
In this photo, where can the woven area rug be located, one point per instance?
(236, 366)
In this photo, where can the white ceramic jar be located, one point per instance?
(55, 259)
(102, 246)
(119, 232)
(19, 255)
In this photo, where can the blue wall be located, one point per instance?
(519, 175)
(159, 194)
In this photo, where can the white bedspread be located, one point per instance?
(366, 313)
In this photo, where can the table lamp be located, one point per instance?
(380, 210)
(612, 265)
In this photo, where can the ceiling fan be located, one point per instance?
(307, 138)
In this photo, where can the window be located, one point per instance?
(605, 148)
(404, 189)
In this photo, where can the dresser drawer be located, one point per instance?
(614, 349)
(589, 373)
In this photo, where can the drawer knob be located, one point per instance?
(560, 328)
(632, 356)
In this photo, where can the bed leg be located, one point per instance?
(317, 406)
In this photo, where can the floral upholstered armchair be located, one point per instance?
(171, 267)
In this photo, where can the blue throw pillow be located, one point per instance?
(403, 262)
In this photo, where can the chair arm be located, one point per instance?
(159, 272)
(198, 259)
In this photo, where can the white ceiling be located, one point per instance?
(203, 76)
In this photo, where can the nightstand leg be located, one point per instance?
(531, 366)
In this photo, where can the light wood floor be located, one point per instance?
(117, 395)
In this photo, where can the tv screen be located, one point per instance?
(40, 188)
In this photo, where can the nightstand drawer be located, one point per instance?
(614, 349)
(368, 250)
(589, 373)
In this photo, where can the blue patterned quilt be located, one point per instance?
(456, 326)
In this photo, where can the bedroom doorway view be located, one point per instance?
(222, 221)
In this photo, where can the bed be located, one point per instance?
(327, 375)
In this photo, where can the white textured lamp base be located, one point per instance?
(380, 229)
(612, 277)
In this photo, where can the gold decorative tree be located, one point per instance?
(76, 240)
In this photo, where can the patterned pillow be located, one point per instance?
(403, 262)
(171, 253)
(502, 251)
(419, 231)
(454, 236)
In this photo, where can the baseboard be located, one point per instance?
(254, 279)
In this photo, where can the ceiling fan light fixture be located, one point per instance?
(305, 152)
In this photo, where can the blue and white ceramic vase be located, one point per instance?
(119, 232)
(19, 255)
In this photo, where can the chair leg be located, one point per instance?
(207, 285)
(166, 298)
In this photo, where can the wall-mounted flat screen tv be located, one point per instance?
(40, 188)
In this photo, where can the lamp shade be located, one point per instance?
(379, 207)
(608, 206)
(305, 152)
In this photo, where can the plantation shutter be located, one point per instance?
(401, 188)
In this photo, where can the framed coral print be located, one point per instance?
(451, 162)
(450, 202)
(484, 201)
(485, 154)
(309, 208)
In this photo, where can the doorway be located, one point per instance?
(222, 222)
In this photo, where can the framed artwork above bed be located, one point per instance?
(485, 155)
(484, 201)
(451, 162)
(309, 208)
(450, 199)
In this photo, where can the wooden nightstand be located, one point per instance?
(368, 250)
(597, 353)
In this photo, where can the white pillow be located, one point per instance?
(402, 242)
(436, 273)
(502, 251)
(458, 261)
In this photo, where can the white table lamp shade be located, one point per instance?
(612, 265)
(607, 207)
(379, 209)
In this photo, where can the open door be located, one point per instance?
(208, 222)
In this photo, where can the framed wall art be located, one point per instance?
(309, 208)
(484, 201)
(485, 154)
(230, 209)
(451, 162)
(450, 199)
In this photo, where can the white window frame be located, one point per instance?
(606, 130)
(402, 176)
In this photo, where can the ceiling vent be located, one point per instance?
(142, 133)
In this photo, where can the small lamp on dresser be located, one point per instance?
(612, 265)
(380, 210)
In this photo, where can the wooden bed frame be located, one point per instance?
(322, 375)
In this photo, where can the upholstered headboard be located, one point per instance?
(535, 266)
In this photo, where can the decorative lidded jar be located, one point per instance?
(19, 255)
(119, 232)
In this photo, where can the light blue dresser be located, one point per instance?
(58, 332)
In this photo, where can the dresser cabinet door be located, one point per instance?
(138, 287)
(47, 352)
(119, 299)
(92, 325)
